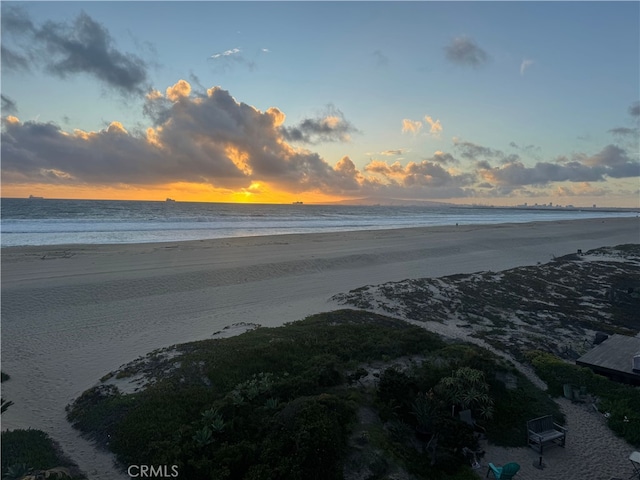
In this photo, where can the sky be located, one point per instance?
(496, 103)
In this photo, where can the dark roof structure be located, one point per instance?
(614, 358)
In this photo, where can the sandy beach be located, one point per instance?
(72, 313)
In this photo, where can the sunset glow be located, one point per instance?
(476, 115)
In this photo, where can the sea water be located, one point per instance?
(56, 222)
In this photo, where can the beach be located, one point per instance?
(71, 314)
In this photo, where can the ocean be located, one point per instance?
(58, 222)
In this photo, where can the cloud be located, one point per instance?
(226, 60)
(329, 126)
(634, 109)
(226, 53)
(616, 162)
(207, 137)
(12, 61)
(624, 131)
(65, 49)
(524, 65)
(612, 161)
(436, 126)
(532, 151)
(426, 179)
(517, 174)
(198, 137)
(472, 151)
(177, 91)
(8, 105)
(464, 51)
(411, 126)
(442, 157)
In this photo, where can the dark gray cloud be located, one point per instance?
(624, 131)
(8, 105)
(330, 126)
(464, 51)
(612, 161)
(65, 49)
(473, 151)
(444, 158)
(634, 109)
(616, 162)
(417, 180)
(202, 137)
(426, 174)
(12, 61)
(543, 173)
(483, 165)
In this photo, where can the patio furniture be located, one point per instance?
(574, 393)
(467, 417)
(505, 472)
(544, 431)
(634, 458)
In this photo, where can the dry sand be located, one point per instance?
(71, 314)
(591, 452)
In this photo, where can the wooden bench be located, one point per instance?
(544, 431)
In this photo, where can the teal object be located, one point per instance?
(505, 472)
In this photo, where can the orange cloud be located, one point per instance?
(116, 127)
(436, 126)
(181, 89)
(411, 126)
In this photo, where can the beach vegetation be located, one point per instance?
(619, 403)
(559, 301)
(33, 455)
(4, 405)
(288, 402)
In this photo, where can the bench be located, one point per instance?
(544, 431)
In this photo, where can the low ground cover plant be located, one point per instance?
(288, 402)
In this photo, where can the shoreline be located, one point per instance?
(73, 313)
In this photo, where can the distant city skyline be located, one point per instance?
(495, 103)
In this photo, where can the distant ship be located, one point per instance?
(33, 197)
(298, 203)
(169, 200)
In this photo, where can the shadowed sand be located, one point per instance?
(70, 314)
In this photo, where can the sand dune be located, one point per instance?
(71, 314)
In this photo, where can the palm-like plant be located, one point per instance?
(467, 388)
(426, 411)
(4, 404)
(203, 437)
(214, 419)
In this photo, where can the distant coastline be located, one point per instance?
(58, 222)
(369, 202)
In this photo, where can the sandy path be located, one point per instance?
(592, 451)
(71, 314)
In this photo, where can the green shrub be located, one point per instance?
(280, 402)
(621, 402)
(27, 450)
